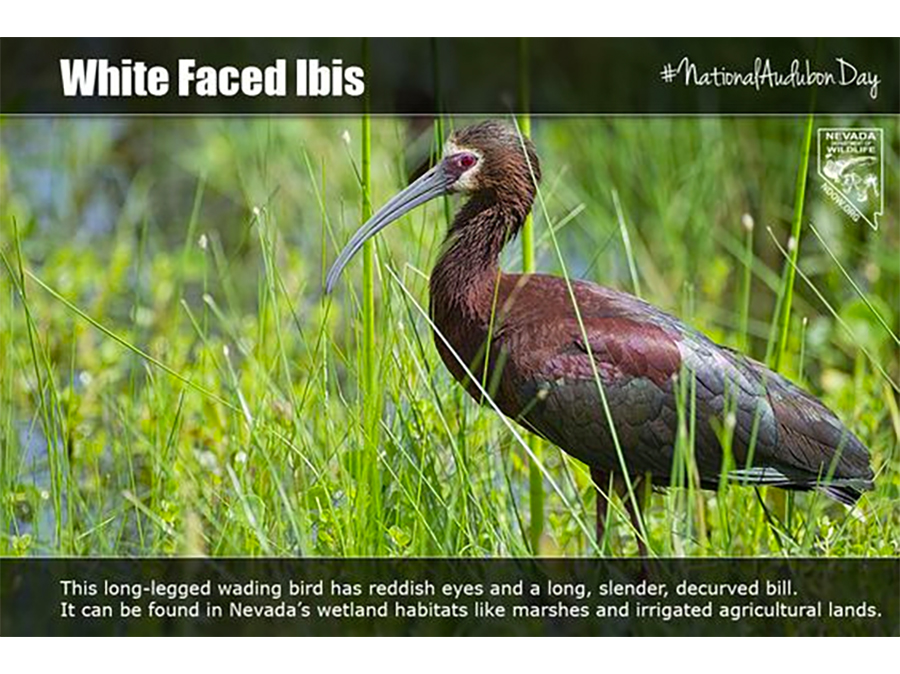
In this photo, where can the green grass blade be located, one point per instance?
(794, 244)
(535, 480)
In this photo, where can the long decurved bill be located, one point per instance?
(432, 184)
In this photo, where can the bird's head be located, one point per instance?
(491, 159)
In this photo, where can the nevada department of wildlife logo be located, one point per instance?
(851, 164)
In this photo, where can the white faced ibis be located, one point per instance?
(539, 352)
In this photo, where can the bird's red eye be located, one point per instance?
(466, 160)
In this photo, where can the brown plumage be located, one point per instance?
(540, 364)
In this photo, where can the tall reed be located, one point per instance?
(535, 479)
(787, 292)
(370, 473)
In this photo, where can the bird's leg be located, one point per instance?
(635, 509)
(601, 482)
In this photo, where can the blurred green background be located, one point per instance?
(202, 244)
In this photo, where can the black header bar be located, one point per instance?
(412, 76)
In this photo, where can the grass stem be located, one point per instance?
(794, 244)
(535, 479)
(371, 391)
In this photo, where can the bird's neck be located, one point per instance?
(465, 276)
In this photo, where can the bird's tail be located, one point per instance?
(847, 490)
(848, 494)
